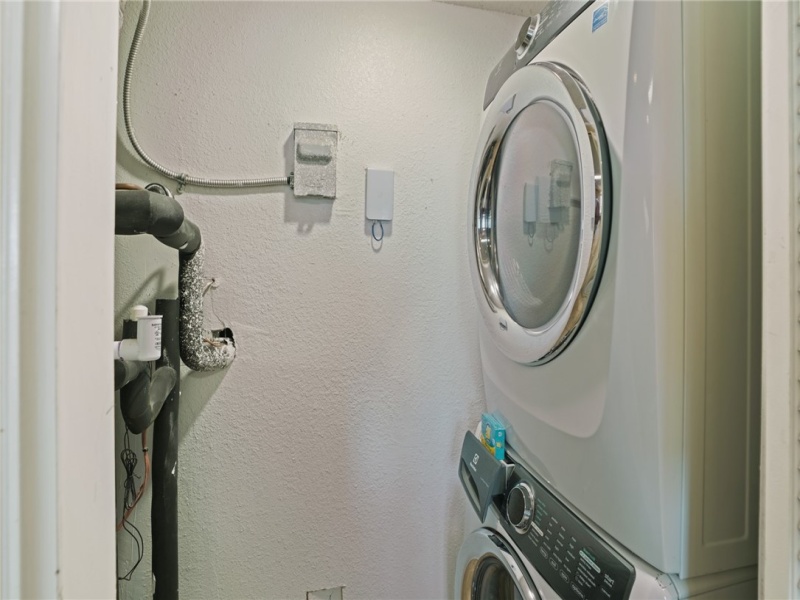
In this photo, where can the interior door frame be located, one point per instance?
(57, 162)
(779, 539)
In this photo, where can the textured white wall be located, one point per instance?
(326, 455)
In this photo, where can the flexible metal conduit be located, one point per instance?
(182, 178)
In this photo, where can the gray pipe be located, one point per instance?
(201, 350)
(142, 391)
(141, 211)
(164, 508)
(126, 371)
(142, 399)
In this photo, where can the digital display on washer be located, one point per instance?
(576, 563)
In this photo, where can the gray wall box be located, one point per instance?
(315, 159)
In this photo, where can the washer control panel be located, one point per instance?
(573, 559)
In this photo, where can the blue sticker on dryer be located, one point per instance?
(599, 17)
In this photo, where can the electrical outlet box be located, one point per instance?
(315, 147)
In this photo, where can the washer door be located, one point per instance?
(541, 207)
(487, 569)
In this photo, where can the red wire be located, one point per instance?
(142, 487)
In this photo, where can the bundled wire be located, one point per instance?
(131, 496)
(129, 460)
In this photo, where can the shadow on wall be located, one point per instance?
(377, 232)
(155, 281)
(198, 388)
(134, 165)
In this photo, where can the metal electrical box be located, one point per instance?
(315, 148)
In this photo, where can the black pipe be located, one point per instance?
(130, 389)
(141, 211)
(186, 239)
(126, 371)
(164, 517)
(141, 400)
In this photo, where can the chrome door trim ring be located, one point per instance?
(553, 83)
(479, 546)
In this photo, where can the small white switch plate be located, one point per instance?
(326, 594)
(380, 195)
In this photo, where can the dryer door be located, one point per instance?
(540, 212)
(487, 569)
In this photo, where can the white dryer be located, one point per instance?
(615, 235)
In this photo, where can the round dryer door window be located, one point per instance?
(541, 208)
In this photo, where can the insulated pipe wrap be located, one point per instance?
(126, 371)
(200, 350)
(187, 239)
(140, 211)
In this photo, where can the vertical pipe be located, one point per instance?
(165, 463)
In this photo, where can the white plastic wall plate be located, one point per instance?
(379, 195)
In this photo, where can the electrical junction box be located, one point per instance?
(315, 147)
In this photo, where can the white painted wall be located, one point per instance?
(327, 454)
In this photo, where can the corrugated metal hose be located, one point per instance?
(182, 178)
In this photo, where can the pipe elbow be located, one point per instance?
(141, 211)
(141, 400)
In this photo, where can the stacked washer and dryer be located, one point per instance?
(615, 235)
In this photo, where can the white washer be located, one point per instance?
(533, 545)
(615, 235)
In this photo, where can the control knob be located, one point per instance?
(519, 506)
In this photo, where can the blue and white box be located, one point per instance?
(493, 435)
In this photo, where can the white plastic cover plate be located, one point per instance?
(380, 195)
